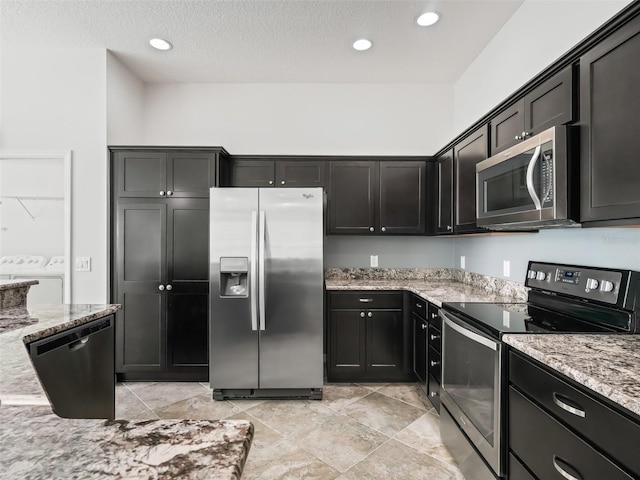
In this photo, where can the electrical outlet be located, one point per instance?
(506, 268)
(83, 264)
(374, 261)
(463, 261)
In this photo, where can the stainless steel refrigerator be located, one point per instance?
(266, 293)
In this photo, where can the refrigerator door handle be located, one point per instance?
(261, 265)
(254, 271)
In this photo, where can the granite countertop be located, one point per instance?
(11, 284)
(607, 364)
(37, 444)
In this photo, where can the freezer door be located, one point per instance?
(291, 325)
(233, 332)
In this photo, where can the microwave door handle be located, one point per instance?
(530, 187)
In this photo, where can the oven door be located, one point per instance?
(517, 186)
(472, 365)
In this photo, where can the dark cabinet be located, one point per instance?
(158, 174)
(434, 355)
(160, 264)
(468, 153)
(547, 105)
(368, 337)
(420, 327)
(584, 437)
(609, 106)
(377, 197)
(267, 172)
(444, 205)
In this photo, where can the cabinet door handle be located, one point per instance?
(518, 137)
(371, 229)
(169, 287)
(433, 394)
(434, 363)
(449, 228)
(434, 316)
(423, 326)
(161, 287)
(525, 135)
(565, 406)
(384, 229)
(362, 314)
(419, 305)
(161, 192)
(282, 182)
(270, 182)
(434, 337)
(369, 314)
(169, 193)
(366, 300)
(562, 471)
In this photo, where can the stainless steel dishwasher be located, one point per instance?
(76, 369)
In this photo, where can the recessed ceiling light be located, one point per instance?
(427, 19)
(362, 44)
(160, 44)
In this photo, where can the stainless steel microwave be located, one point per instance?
(531, 185)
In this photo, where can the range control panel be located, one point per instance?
(590, 283)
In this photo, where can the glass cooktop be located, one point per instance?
(498, 319)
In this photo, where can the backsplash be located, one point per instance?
(490, 284)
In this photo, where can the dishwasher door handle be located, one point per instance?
(78, 344)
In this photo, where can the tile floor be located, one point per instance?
(357, 431)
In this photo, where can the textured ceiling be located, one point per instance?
(266, 40)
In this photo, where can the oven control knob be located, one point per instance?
(531, 274)
(592, 284)
(541, 276)
(606, 286)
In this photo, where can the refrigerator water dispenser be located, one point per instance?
(233, 276)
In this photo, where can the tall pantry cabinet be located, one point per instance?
(160, 261)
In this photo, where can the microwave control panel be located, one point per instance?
(601, 285)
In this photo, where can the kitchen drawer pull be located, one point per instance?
(366, 300)
(562, 471)
(362, 314)
(565, 406)
(419, 305)
(433, 364)
(434, 337)
(423, 326)
(434, 316)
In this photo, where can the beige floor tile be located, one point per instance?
(424, 436)
(286, 416)
(393, 460)
(129, 407)
(383, 413)
(283, 460)
(200, 407)
(338, 395)
(407, 392)
(338, 440)
(162, 394)
(373, 386)
(246, 404)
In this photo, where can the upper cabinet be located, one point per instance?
(277, 173)
(467, 154)
(548, 105)
(174, 173)
(610, 128)
(377, 197)
(443, 217)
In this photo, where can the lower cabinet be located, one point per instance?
(434, 355)
(369, 337)
(560, 430)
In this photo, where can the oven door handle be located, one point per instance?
(468, 333)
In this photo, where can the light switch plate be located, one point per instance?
(83, 264)
(374, 261)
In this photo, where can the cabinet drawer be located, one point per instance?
(548, 448)
(419, 306)
(434, 363)
(434, 392)
(610, 430)
(434, 316)
(517, 471)
(435, 338)
(366, 300)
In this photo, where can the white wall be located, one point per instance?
(545, 30)
(537, 34)
(380, 119)
(125, 104)
(55, 100)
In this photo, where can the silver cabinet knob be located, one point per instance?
(525, 135)
(161, 287)
(282, 182)
(433, 337)
(518, 137)
(371, 229)
(433, 364)
(434, 315)
(169, 192)
(270, 182)
(169, 287)
(423, 326)
(362, 314)
(161, 192)
(433, 394)
(449, 228)
(369, 314)
(384, 229)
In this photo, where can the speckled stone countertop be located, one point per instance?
(13, 293)
(607, 364)
(436, 285)
(37, 444)
(11, 284)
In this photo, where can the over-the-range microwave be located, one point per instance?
(531, 185)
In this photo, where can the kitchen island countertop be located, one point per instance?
(606, 364)
(37, 444)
